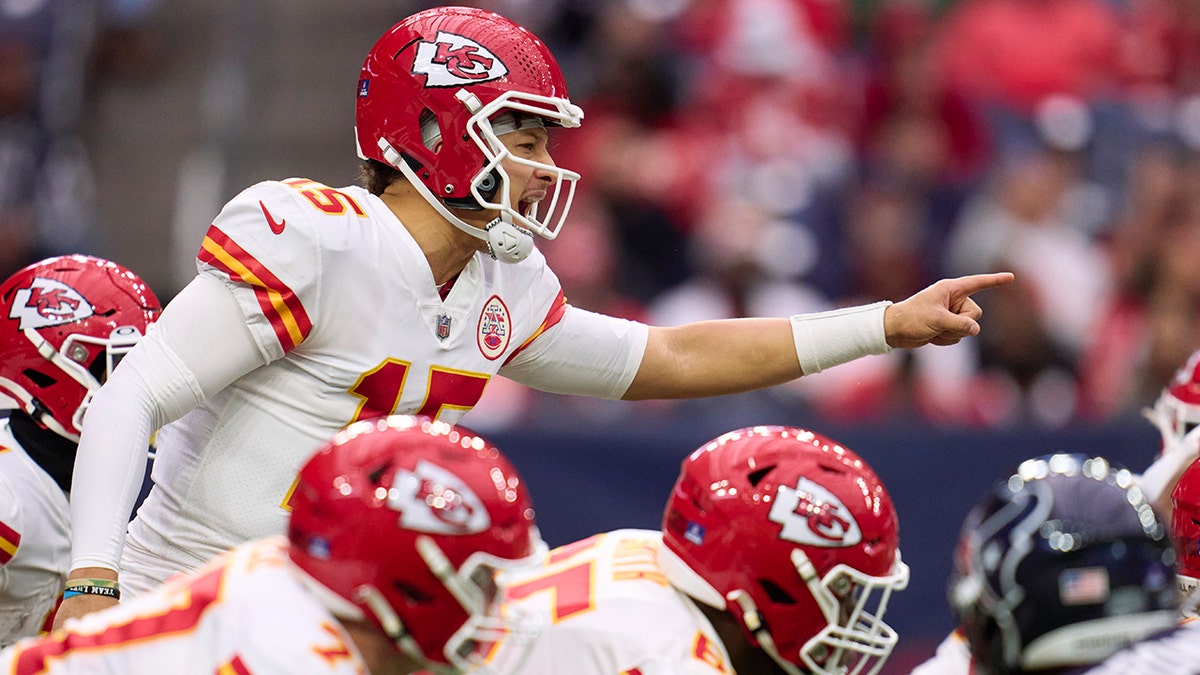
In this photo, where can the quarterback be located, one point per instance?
(315, 306)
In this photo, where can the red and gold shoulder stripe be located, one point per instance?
(278, 303)
(10, 540)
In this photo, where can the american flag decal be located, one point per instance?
(1084, 586)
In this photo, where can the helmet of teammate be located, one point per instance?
(67, 321)
(1060, 564)
(797, 538)
(438, 90)
(1185, 536)
(408, 520)
(1177, 409)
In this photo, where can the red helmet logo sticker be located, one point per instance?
(453, 61)
(48, 302)
(434, 500)
(813, 516)
(495, 328)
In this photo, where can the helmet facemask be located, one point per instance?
(505, 114)
(855, 639)
(72, 359)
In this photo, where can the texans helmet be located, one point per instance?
(797, 538)
(64, 325)
(408, 519)
(435, 94)
(1060, 564)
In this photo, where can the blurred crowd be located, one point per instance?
(770, 157)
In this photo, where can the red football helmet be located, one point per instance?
(435, 93)
(1185, 536)
(1177, 410)
(66, 323)
(793, 534)
(408, 519)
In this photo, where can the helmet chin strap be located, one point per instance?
(506, 241)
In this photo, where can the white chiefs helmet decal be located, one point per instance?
(813, 516)
(434, 500)
(48, 302)
(453, 61)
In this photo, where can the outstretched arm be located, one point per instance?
(713, 358)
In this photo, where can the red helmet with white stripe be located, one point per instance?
(795, 536)
(407, 520)
(66, 322)
(436, 92)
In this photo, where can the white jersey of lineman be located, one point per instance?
(605, 608)
(953, 657)
(341, 300)
(245, 612)
(35, 541)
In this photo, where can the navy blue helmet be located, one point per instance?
(1061, 564)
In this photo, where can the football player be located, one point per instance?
(398, 527)
(64, 324)
(1185, 536)
(778, 553)
(1060, 565)
(316, 306)
(1176, 415)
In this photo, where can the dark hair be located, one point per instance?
(376, 176)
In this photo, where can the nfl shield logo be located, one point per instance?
(443, 326)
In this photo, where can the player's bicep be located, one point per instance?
(585, 354)
(205, 328)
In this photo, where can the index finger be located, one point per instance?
(973, 283)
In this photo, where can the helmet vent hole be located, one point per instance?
(412, 594)
(775, 593)
(755, 477)
(376, 475)
(40, 379)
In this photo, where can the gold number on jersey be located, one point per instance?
(380, 389)
(325, 198)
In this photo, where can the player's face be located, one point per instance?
(527, 185)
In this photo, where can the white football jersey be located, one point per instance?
(953, 657)
(341, 300)
(35, 541)
(1174, 652)
(245, 612)
(605, 608)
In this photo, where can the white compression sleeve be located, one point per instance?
(586, 354)
(168, 373)
(826, 339)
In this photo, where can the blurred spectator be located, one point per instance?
(47, 59)
(45, 181)
(1016, 53)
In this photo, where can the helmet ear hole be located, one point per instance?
(431, 131)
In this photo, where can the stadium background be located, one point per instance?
(828, 151)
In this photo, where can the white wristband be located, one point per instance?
(826, 339)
